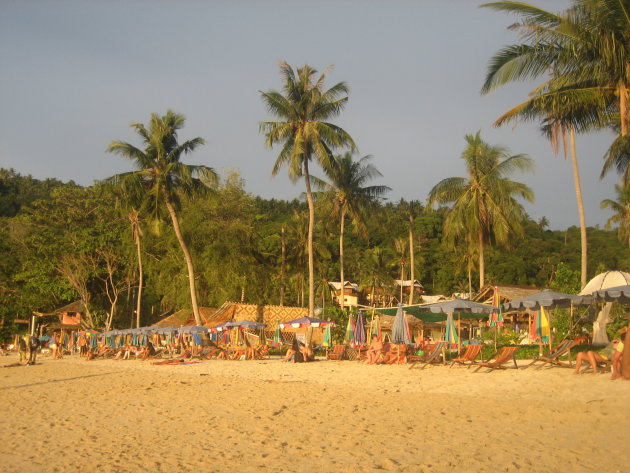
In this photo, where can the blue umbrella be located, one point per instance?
(192, 329)
(359, 332)
(400, 335)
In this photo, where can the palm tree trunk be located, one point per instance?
(341, 229)
(580, 204)
(482, 266)
(411, 260)
(311, 226)
(623, 104)
(282, 267)
(140, 280)
(470, 277)
(189, 262)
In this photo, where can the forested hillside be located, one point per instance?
(61, 242)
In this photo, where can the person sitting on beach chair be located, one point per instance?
(593, 357)
(375, 350)
(148, 351)
(294, 353)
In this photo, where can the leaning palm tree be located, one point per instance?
(350, 196)
(484, 203)
(568, 101)
(304, 134)
(621, 218)
(586, 48)
(162, 175)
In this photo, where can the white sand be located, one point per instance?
(266, 416)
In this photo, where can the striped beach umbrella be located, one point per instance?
(327, 342)
(450, 334)
(349, 336)
(496, 316)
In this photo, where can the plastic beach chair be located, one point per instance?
(469, 356)
(503, 357)
(553, 358)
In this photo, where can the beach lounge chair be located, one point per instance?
(553, 358)
(469, 356)
(432, 358)
(337, 353)
(503, 357)
(397, 354)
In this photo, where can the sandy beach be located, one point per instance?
(258, 416)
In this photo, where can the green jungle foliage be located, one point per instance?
(60, 242)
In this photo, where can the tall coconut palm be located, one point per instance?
(136, 231)
(561, 114)
(350, 196)
(162, 175)
(484, 203)
(411, 210)
(621, 218)
(304, 134)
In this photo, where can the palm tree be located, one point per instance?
(136, 231)
(400, 245)
(485, 204)
(567, 102)
(411, 210)
(621, 207)
(162, 175)
(349, 196)
(304, 134)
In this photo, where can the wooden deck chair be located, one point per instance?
(432, 358)
(396, 355)
(553, 358)
(469, 356)
(503, 357)
(337, 353)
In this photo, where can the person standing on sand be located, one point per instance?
(23, 349)
(33, 346)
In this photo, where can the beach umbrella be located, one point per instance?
(548, 299)
(359, 332)
(327, 342)
(400, 333)
(349, 336)
(247, 324)
(458, 306)
(375, 326)
(614, 294)
(192, 329)
(496, 316)
(276, 337)
(450, 334)
(540, 325)
(306, 322)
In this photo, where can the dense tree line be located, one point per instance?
(61, 242)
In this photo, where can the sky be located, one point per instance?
(74, 74)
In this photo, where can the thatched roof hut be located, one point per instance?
(185, 317)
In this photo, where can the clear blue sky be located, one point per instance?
(75, 73)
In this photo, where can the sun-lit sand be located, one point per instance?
(267, 416)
